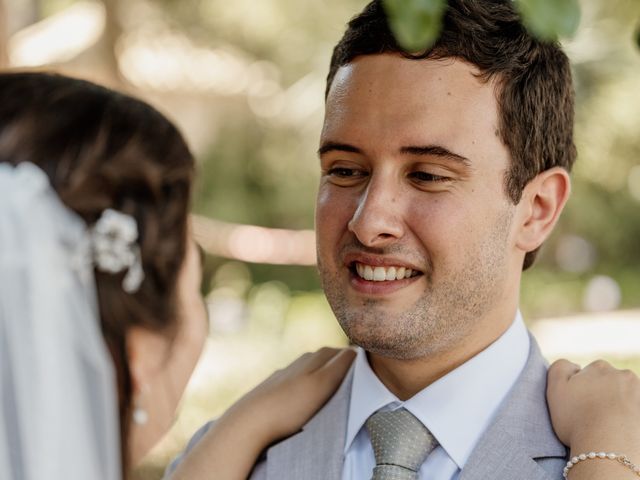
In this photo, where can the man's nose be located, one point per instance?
(378, 221)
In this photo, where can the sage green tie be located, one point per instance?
(401, 444)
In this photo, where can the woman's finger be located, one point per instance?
(561, 371)
(335, 369)
(600, 365)
(320, 358)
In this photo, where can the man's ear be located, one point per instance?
(543, 199)
(146, 353)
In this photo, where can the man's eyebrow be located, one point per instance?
(435, 150)
(337, 146)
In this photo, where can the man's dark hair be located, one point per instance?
(535, 94)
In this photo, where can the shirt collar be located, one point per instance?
(458, 407)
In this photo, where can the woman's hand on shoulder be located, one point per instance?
(285, 401)
(596, 408)
(275, 409)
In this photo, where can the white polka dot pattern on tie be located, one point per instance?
(401, 443)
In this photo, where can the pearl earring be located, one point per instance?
(140, 415)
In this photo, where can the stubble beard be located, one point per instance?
(444, 315)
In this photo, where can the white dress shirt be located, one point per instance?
(457, 408)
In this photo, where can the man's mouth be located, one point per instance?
(374, 273)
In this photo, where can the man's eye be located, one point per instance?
(342, 172)
(346, 173)
(428, 177)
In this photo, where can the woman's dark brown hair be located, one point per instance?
(102, 149)
(535, 95)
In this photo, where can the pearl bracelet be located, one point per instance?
(621, 459)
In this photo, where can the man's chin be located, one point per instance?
(392, 351)
(380, 338)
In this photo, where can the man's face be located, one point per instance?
(414, 230)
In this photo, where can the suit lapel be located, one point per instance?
(317, 452)
(521, 432)
(503, 459)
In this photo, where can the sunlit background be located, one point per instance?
(244, 80)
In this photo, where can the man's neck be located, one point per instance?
(404, 378)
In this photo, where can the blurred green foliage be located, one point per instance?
(550, 19)
(416, 24)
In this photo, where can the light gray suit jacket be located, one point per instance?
(520, 443)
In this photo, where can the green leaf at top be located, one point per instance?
(415, 24)
(550, 19)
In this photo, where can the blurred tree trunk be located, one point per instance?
(23, 14)
(109, 41)
(4, 36)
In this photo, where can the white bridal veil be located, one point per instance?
(58, 402)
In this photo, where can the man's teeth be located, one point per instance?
(381, 274)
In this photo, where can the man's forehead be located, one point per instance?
(394, 72)
(387, 101)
